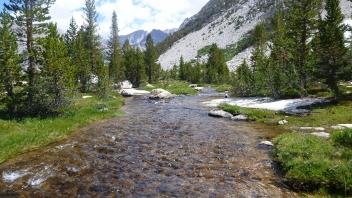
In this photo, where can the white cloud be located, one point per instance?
(132, 14)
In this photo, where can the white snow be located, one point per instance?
(265, 103)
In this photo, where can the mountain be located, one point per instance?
(138, 38)
(228, 23)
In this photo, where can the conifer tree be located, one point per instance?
(56, 73)
(182, 71)
(216, 68)
(10, 69)
(70, 37)
(116, 68)
(151, 55)
(134, 64)
(174, 72)
(81, 62)
(332, 50)
(302, 24)
(31, 18)
(243, 80)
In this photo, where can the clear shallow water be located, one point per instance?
(168, 149)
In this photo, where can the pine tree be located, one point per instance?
(182, 71)
(134, 64)
(332, 50)
(31, 17)
(243, 80)
(302, 24)
(151, 55)
(216, 68)
(81, 62)
(174, 73)
(57, 74)
(116, 69)
(259, 59)
(10, 69)
(70, 37)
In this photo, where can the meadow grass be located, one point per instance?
(19, 136)
(174, 87)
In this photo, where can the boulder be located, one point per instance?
(220, 114)
(338, 127)
(199, 88)
(161, 94)
(283, 122)
(133, 92)
(312, 128)
(346, 126)
(193, 85)
(321, 134)
(240, 118)
(125, 85)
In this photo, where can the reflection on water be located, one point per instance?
(159, 149)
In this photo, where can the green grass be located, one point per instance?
(174, 87)
(258, 115)
(222, 88)
(314, 164)
(17, 137)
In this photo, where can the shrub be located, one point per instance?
(343, 137)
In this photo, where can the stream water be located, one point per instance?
(158, 149)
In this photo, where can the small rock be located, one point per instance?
(86, 97)
(321, 134)
(266, 143)
(283, 122)
(199, 88)
(240, 118)
(193, 85)
(220, 114)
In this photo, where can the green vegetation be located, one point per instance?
(343, 138)
(174, 87)
(18, 136)
(314, 163)
(221, 88)
(258, 115)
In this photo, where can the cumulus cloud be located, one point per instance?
(132, 14)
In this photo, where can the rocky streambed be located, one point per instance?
(166, 148)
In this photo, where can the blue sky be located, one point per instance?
(132, 14)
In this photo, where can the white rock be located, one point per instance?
(86, 97)
(283, 122)
(348, 126)
(337, 127)
(125, 85)
(220, 114)
(240, 118)
(312, 128)
(193, 85)
(199, 88)
(321, 134)
(133, 92)
(161, 94)
(266, 143)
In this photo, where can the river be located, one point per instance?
(157, 149)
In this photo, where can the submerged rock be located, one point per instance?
(220, 114)
(161, 94)
(10, 177)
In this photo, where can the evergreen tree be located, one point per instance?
(182, 71)
(31, 17)
(56, 73)
(243, 80)
(216, 68)
(10, 69)
(116, 69)
(174, 72)
(259, 59)
(302, 24)
(81, 62)
(70, 37)
(134, 63)
(151, 55)
(332, 50)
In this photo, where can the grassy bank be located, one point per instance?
(311, 163)
(174, 87)
(19, 136)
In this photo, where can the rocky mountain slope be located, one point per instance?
(138, 38)
(224, 22)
